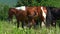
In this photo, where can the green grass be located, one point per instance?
(7, 28)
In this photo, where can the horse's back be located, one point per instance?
(21, 8)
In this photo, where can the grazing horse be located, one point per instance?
(28, 14)
(42, 12)
(20, 14)
(36, 13)
(53, 15)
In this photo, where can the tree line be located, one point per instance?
(55, 3)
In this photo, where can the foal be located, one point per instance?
(18, 13)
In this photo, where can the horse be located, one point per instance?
(53, 15)
(37, 13)
(42, 12)
(20, 13)
(28, 14)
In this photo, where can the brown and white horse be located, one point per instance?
(28, 14)
(20, 14)
(42, 11)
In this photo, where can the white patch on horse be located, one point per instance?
(44, 14)
(43, 24)
(21, 8)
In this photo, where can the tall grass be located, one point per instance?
(7, 28)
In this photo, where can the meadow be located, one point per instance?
(10, 28)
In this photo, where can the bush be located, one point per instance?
(3, 11)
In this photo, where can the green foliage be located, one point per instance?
(26, 3)
(3, 11)
(55, 3)
(6, 8)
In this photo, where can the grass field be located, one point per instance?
(7, 28)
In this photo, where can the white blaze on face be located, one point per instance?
(21, 8)
(44, 15)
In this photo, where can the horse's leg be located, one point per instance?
(23, 23)
(29, 24)
(40, 20)
(33, 23)
(53, 23)
(17, 21)
(37, 21)
(43, 21)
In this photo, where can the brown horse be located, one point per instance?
(19, 14)
(28, 14)
(35, 13)
(32, 15)
(42, 11)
